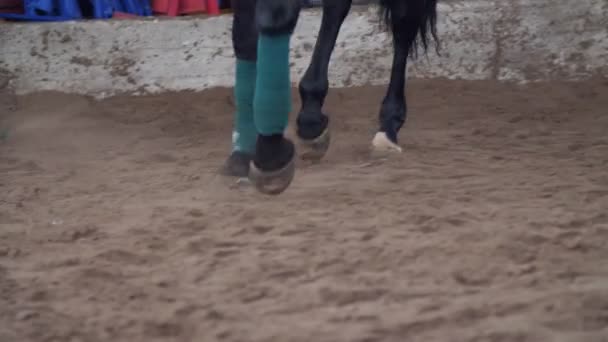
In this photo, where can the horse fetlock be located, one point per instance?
(313, 89)
(310, 125)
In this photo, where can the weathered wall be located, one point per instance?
(516, 40)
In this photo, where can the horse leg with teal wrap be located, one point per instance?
(261, 36)
(265, 102)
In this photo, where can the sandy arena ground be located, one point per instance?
(491, 226)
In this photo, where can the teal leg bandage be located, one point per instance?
(244, 134)
(272, 102)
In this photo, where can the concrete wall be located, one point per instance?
(512, 40)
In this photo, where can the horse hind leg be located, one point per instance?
(409, 20)
(312, 123)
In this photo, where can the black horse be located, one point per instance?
(412, 24)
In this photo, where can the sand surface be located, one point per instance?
(491, 226)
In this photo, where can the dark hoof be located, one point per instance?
(272, 182)
(237, 165)
(316, 148)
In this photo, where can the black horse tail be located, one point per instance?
(417, 23)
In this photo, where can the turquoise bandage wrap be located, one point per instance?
(272, 100)
(244, 134)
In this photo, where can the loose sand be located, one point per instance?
(491, 226)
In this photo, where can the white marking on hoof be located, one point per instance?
(382, 143)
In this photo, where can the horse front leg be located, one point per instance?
(273, 166)
(312, 123)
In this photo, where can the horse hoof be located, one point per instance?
(272, 182)
(316, 148)
(382, 145)
(237, 165)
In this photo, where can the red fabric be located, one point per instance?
(213, 7)
(167, 7)
(192, 6)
